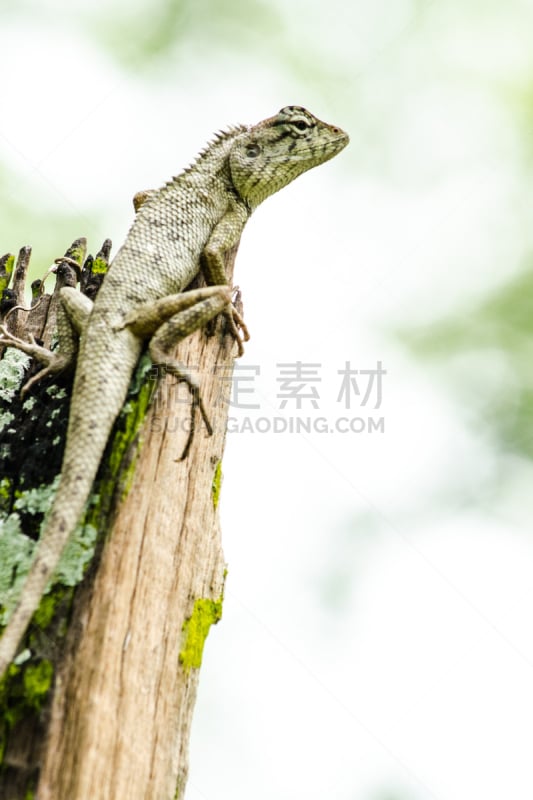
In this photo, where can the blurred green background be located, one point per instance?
(376, 642)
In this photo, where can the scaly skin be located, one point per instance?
(199, 214)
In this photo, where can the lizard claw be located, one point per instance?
(235, 321)
(10, 340)
(237, 328)
(31, 348)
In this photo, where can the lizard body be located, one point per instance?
(184, 227)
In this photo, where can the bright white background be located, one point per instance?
(376, 640)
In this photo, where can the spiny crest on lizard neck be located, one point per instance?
(216, 150)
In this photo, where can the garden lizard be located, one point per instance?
(183, 228)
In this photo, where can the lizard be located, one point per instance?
(179, 230)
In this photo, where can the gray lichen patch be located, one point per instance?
(12, 368)
(16, 551)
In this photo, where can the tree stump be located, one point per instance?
(99, 704)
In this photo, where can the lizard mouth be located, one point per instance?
(324, 150)
(341, 140)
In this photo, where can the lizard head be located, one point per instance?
(273, 153)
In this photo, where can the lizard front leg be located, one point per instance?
(225, 236)
(72, 317)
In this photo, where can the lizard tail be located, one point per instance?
(85, 445)
(66, 510)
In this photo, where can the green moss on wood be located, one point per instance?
(195, 629)
(7, 264)
(23, 690)
(37, 681)
(216, 484)
(77, 250)
(5, 494)
(179, 788)
(129, 423)
(44, 615)
(99, 266)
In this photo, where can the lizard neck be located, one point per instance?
(213, 159)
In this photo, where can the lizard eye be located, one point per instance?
(252, 150)
(301, 125)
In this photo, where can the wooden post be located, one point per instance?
(119, 722)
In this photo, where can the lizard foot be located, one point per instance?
(53, 362)
(196, 403)
(181, 373)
